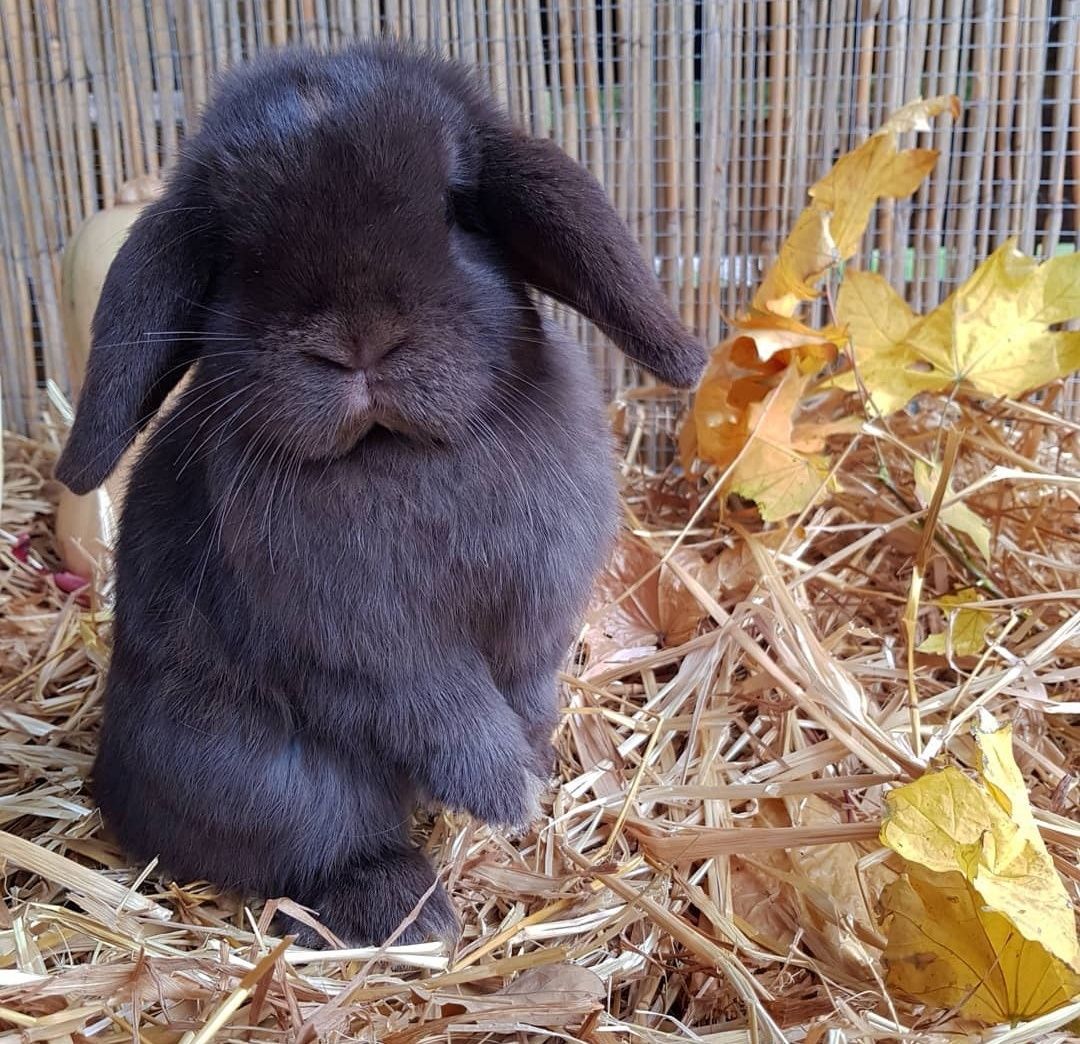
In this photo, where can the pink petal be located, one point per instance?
(69, 582)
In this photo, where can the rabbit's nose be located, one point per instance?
(375, 344)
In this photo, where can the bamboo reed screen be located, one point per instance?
(706, 119)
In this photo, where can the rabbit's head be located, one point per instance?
(346, 244)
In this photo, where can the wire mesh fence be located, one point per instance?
(707, 120)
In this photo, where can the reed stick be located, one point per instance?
(978, 135)
(667, 160)
(43, 194)
(777, 73)
(686, 202)
(567, 78)
(1030, 103)
(1063, 103)
(592, 130)
(165, 74)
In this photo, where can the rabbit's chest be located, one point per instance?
(366, 562)
(405, 557)
(395, 538)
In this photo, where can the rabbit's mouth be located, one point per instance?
(374, 425)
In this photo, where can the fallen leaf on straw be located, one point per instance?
(577, 989)
(947, 949)
(660, 611)
(622, 624)
(967, 628)
(680, 611)
(832, 893)
(980, 920)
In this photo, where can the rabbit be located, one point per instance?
(354, 549)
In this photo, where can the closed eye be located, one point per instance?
(395, 346)
(327, 361)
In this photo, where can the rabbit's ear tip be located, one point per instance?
(89, 456)
(680, 364)
(74, 475)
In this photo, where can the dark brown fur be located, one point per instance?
(354, 551)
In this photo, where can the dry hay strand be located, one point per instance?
(708, 866)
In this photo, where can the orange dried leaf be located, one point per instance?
(680, 610)
(660, 611)
(735, 379)
(621, 626)
(771, 334)
(770, 471)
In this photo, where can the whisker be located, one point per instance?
(216, 311)
(220, 406)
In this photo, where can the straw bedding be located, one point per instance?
(708, 866)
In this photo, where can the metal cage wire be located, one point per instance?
(706, 121)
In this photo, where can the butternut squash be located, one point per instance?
(85, 525)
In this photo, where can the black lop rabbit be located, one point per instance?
(354, 548)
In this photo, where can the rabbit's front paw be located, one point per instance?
(545, 758)
(504, 792)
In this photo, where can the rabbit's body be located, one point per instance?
(354, 550)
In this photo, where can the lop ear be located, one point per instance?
(141, 345)
(553, 221)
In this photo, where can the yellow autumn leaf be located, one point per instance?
(876, 169)
(947, 949)
(992, 333)
(1000, 343)
(966, 629)
(956, 516)
(947, 821)
(829, 230)
(740, 396)
(770, 471)
(878, 320)
(990, 927)
(1052, 919)
(875, 314)
(1060, 288)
